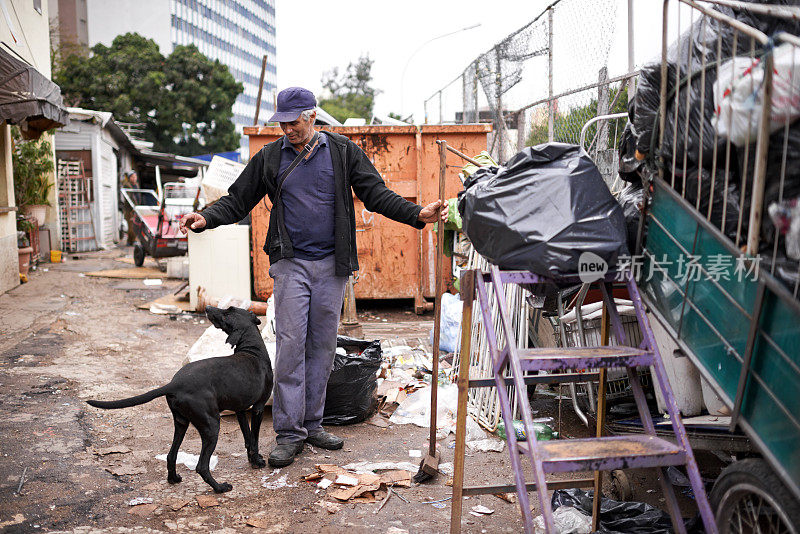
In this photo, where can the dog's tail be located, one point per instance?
(133, 401)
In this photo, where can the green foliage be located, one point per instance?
(567, 127)
(184, 100)
(33, 167)
(350, 94)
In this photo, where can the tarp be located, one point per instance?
(28, 98)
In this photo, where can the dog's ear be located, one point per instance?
(234, 338)
(256, 320)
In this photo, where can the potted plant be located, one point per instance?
(33, 165)
(24, 249)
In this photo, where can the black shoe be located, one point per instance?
(325, 440)
(284, 454)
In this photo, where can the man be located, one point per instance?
(311, 243)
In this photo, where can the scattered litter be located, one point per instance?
(568, 520)
(143, 510)
(350, 396)
(152, 281)
(276, 484)
(330, 507)
(177, 503)
(71, 313)
(677, 478)
(486, 445)
(346, 480)
(615, 516)
(206, 501)
(438, 500)
(126, 469)
(415, 453)
(140, 500)
(447, 469)
(190, 460)
(369, 467)
(324, 483)
(508, 497)
(114, 449)
(480, 509)
(164, 309)
(378, 421)
(439, 505)
(416, 409)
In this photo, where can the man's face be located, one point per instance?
(299, 131)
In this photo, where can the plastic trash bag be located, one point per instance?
(542, 211)
(351, 396)
(629, 166)
(415, 409)
(723, 206)
(738, 94)
(786, 218)
(631, 199)
(568, 520)
(450, 327)
(616, 517)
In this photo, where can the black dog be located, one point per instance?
(204, 388)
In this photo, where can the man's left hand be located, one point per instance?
(429, 213)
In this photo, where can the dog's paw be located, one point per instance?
(222, 488)
(257, 461)
(174, 479)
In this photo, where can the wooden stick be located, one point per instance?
(467, 296)
(601, 417)
(260, 89)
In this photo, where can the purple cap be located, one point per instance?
(291, 102)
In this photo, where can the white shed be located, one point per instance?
(105, 151)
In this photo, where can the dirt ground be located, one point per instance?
(67, 337)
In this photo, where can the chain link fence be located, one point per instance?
(542, 82)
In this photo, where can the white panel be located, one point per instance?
(73, 140)
(219, 261)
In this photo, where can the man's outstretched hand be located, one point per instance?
(432, 212)
(195, 221)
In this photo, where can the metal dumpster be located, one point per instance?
(396, 261)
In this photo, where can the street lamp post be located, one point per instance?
(420, 47)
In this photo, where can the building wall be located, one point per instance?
(236, 32)
(26, 31)
(69, 22)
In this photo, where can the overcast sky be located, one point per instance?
(314, 36)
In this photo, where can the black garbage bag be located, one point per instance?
(351, 396)
(631, 199)
(724, 207)
(542, 211)
(618, 517)
(629, 167)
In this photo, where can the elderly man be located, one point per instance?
(311, 243)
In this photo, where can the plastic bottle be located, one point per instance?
(544, 432)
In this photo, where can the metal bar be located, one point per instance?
(551, 105)
(591, 121)
(760, 171)
(260, 89)
(761, 37)
(419, 298)
(468, 297)
(748, 355)
(437, 321)
(507, 488)
(787, 12)
(535, 379)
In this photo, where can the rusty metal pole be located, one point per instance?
(437, 313)
(260, 89)
(468, 297)
(350, 325)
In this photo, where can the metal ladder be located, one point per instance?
(77, 222)
(570, 455)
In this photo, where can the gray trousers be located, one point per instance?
(308, 302)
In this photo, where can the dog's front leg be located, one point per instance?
(256, 415)
(209, 432)
(250, 443)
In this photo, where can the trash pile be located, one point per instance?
(715, 96)
(542, 211)
(360, 483)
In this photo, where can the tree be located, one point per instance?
(350, 94)
(184, 100)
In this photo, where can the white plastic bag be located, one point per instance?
(450, 330)
(738, 94)
(568, 520)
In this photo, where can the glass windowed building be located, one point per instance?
(236, 32)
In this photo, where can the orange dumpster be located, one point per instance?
(396, 261)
